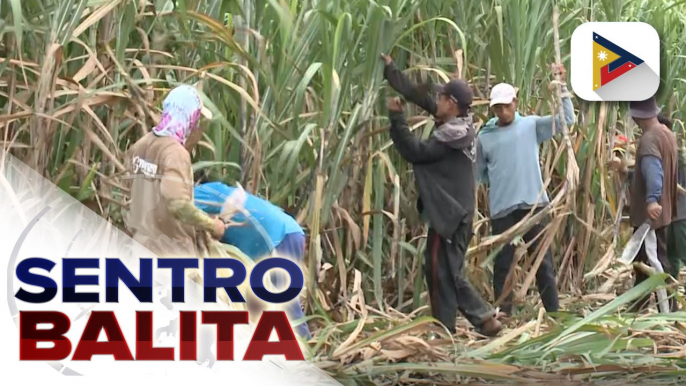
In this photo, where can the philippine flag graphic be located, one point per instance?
(610, 61)
(615, 61)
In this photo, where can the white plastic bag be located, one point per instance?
(235, 203)
(651, 251)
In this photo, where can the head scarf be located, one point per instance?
(181, 111)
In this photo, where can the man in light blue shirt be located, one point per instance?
(267, 228)
(508, 161)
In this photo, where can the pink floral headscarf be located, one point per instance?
(180, 113)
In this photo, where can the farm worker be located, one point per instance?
(676, 245)
(654, 185)
(265, 230)
(507, 159)
(162, 216)
(676, 233)
(444, 172)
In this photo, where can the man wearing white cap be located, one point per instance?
(507, 159)
(162, 216)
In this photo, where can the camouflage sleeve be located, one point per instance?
(188, 213)
(176, 187)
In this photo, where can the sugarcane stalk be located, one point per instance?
(572, 167)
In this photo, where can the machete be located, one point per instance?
(644, 234)
(634, 245)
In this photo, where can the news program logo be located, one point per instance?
(615, 61)
(85, 299)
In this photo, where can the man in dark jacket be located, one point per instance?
(444, 172)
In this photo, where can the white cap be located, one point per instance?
(502, 93)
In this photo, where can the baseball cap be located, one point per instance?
(502, 93)
(458, 90)
(644, 109)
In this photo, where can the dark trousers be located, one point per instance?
(545, 276)
(449, 289)
(676, 246)
(642, 257)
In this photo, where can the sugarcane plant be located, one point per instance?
(296, 92)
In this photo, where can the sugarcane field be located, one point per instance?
(461, 213)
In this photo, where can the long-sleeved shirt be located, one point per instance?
(507, 159)
(420, 95)
(162, 216)
(658, 144)
(260, 232)
(443, 170)
(652, 171)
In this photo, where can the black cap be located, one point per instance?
(458, 90)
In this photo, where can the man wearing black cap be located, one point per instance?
(654, 186)
(444, 172)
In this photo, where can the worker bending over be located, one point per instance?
(265, 231)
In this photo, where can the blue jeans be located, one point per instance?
(292, 246)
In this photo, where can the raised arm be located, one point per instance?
(420, 96)
(410, 147)
(544, 125)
